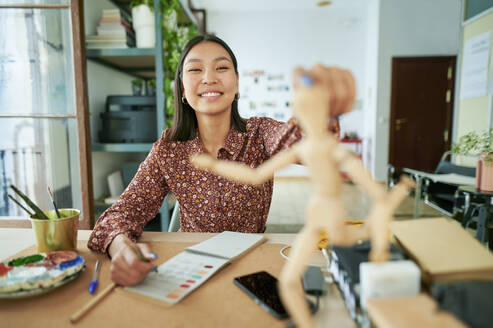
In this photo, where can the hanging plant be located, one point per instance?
(149, 3)
(175, 37)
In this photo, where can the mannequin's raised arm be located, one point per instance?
(243, 173)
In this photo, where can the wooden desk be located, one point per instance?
(218, 303)
(451, 178)
(479, 204)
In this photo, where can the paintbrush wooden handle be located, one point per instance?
(136, 250)
(86, 308)
(40, 215)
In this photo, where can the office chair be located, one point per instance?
(444, 197)
(174, 223)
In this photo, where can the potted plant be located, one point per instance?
(143, 23)
(175, 36)
(481, 144)
(136, 87)
(151, 87)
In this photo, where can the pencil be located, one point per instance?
(86, 308)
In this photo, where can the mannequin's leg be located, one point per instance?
(291, 291)
(380, 218)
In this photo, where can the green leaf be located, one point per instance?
(175, 37)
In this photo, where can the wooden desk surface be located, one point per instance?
(218, 303)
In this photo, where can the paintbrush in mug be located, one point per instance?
(39, 214)
(20, 205)
(53, 201)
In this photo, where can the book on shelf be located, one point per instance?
(116, 27)
(115, 45)
(114, 30)
(117, 13)
(109, 43)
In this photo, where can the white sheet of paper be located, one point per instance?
(474, 77)
(179, 276)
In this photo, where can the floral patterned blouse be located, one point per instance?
(208, 203)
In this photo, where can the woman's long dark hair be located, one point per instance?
(184, 120)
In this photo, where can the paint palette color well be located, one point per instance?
(38, 273)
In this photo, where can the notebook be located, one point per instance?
(185, 272)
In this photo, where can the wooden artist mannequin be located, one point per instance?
(320, 153)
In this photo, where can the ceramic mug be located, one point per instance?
(57, 234)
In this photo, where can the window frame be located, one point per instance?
(81, 116)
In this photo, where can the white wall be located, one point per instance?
(371, 85)
(276, 42)
(407, 28)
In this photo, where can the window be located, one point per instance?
(44, 129)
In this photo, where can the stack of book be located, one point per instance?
(114, 31)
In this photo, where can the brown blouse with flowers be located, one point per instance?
(208, 203)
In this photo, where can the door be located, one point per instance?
(421, 111)
(44, 118)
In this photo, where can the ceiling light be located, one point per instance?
(323, 3)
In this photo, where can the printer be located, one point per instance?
(129, 119)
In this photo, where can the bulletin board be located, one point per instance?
(475, 102)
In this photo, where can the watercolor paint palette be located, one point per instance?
(39, 273)
(185, 272)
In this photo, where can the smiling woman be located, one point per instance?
(210, 85)
(206, 121)
(219, 68)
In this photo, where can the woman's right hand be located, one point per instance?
(126, 268)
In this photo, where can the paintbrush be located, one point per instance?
(137, 251)
(139, 254)
(53, 201)
(20, 205)
(39, 214)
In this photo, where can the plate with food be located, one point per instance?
(39, 273)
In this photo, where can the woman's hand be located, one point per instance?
(339, 84)
(202, 161)
(126, 267)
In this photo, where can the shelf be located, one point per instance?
(189, 17)
(100, 206)
(122, 147)
(139, 62)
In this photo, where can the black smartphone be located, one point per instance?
(262, 287)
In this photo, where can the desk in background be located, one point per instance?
(420, 176)
(217, 303)
(479, 204)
